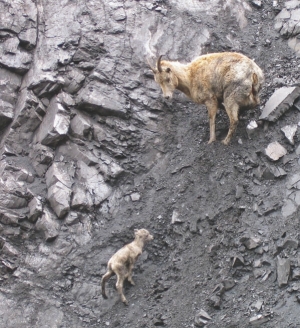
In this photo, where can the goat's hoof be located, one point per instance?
(211, 141)
(225, 142)
(132, 282)
(125, 302)
(104, 296)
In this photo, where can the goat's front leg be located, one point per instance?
(130, 275)
(212, 107)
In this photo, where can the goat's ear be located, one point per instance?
(168, 69)
(136, 230)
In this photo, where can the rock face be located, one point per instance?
(90, 151)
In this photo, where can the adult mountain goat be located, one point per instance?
(229, 78)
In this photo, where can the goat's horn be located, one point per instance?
(153, 69)
(158, 64)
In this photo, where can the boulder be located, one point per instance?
(281, 100)
(59, 196)
(35, 209)
(102, 99)
(55, 125)
(94, 182)
(48, 225)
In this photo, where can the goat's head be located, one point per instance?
(165, 77)
(143, 234)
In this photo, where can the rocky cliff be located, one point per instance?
(90, 151)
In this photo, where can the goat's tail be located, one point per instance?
(256, 85)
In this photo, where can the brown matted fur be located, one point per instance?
(229, 78)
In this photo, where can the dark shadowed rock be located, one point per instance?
(35, 209)
(283, 270)
(41, 156)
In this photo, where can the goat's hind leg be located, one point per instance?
(212, 108)
(232, 110)
(119, 286)
(107, 275)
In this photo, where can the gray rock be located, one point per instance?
(275, 151)
(59, 196)
(281, 100)
(272, 172)
(251, 129)
(13, 57)
(176, 217)
(22, 22)
(238, 260)
(290, 131)
(289, 209)
(55, 125)
(80, 126)
(296, 274)
(259, 319)
(41, 157)
(60, 172)
(79, 152)
(251, 242)
(135, 196)
(283, 271)
(202, 318)
(73, 81)
(102, 99)
(81, 199)
(256, 3)
(35, 209)
(108, 166)
(9, 250)
(94, 182)
(48, 225)
(26, 176)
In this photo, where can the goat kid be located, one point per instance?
(229, 78)
(122, 262)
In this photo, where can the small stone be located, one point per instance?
(257, 263)
(228, 283)
(238, 260)
(257, 3)
(258, 320)
(215, 301)
(135, 196)
(202, 318)
(296, 274)
(283, 270)
(251, 129)
(239, 191)
(175, 217)
(250, 242)
(290, 131)
(275, 151)
(258, 304)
